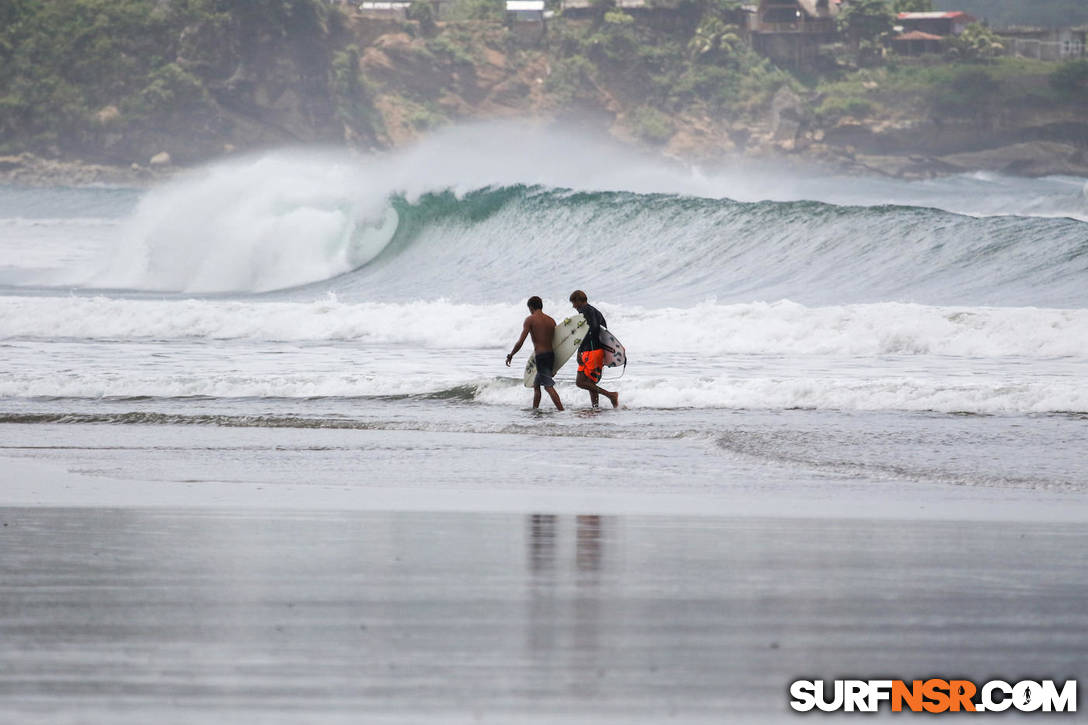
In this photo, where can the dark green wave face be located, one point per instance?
(653, 249)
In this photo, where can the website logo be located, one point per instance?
(933, 695)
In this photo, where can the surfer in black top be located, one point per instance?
(590, 352)
(541, 328)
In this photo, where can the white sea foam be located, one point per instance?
(708, 329)
(266, 223)
(930, 393)
(982, 394)
(94, 384)
(752, 356)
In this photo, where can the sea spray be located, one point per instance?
(264, 223)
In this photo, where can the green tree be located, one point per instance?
(976, 43)
(717, 35)
(970, 93)
(61, 62)
(867, 21)
(614, 39)
(476, 10)
(913, 6)
(651, 125)
(1070, 76)
(714, 40)
(725, 9)
(146, 69)
(423, 13)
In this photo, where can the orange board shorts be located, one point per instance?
(591, 362)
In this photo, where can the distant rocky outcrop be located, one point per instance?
(29, 170)
(1034, 158)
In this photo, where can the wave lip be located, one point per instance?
(674, 249)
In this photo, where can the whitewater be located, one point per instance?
(322, 289)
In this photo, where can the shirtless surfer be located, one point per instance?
(590, 353)
(542, 329)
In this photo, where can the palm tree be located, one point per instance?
(714, 39)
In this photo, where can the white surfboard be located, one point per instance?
(568, 336)
(615, 354)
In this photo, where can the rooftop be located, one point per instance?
(936, 15)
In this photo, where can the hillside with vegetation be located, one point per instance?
(120, 82)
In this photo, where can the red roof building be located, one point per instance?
(951, 22)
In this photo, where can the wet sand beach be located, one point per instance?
(162, 614)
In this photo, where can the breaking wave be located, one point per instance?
(494, 211)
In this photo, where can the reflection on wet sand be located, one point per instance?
(563, 617)
(589, 542)
(542, 620)
(542, 542)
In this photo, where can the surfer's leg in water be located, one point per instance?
(585, 383)
(545, 365)
(555, 398)
(590, 366)
(589, 374)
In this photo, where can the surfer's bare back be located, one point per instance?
(541, 328)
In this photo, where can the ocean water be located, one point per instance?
(803, 325)
(261, 460)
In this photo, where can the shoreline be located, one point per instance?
(34, 483)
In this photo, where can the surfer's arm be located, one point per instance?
(521, 341)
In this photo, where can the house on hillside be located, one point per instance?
(915, 42)
(398, 9)
(944, 24)
(1046, 44)
(792, 31)
(525, 11)
(527, 19)
(578, 9)
(384, 10)
(662, 14)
